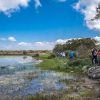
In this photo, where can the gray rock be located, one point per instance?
(94, 72)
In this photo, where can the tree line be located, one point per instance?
(82, 46)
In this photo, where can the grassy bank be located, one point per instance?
(78, 66)
(53, 64)
(78, 89)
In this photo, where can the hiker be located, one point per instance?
(71, 55)
(94, 56)
(98, 56)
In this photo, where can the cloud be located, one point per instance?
(37, 4)
(39, 45)
(61, 41)
(36, 45)
(12, 39)
(97, 38)
(88, 9)
(24, 44)
(9, 6)
(44, 45)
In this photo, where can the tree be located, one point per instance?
(75, 44)
(58, 49)
(83, 51)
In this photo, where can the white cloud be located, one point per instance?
(36, 45)
(97, 38)
(24, 44)
(61, 41)
(9, 6)
(43, 45)
(12, 39)
(37, 4)
(88, 9)
(39, 43)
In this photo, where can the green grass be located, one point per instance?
(41, 56)
(63, 64)
(53, 64)
(60, 64)
(52, 97)
(44, 56)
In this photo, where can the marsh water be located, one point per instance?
(20, 77)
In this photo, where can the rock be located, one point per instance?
(94, 72)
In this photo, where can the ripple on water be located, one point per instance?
(21, 78)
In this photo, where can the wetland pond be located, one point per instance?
(19, 78)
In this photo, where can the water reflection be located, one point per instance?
(19, 77)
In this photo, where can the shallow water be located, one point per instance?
(20, 77)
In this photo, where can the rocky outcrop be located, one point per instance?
(94, 72)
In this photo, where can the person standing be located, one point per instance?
(71, 55)
(94, 56)
(98, 57)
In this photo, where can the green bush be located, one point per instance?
(80, 62)
(51, 56)
(36, 55)
(74, 63)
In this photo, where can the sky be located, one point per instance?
(41, 24)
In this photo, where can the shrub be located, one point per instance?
(74, 63)
(51, 56)
(80, 62)
(36, 55)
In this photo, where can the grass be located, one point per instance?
(52, 97)
(63, 64)
(53, 64)
(41, 56)
(87, 93)
(44, 56)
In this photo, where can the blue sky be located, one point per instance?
(39, 23)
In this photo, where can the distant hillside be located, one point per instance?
(21, 52)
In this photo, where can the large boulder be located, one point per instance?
(94, 72)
